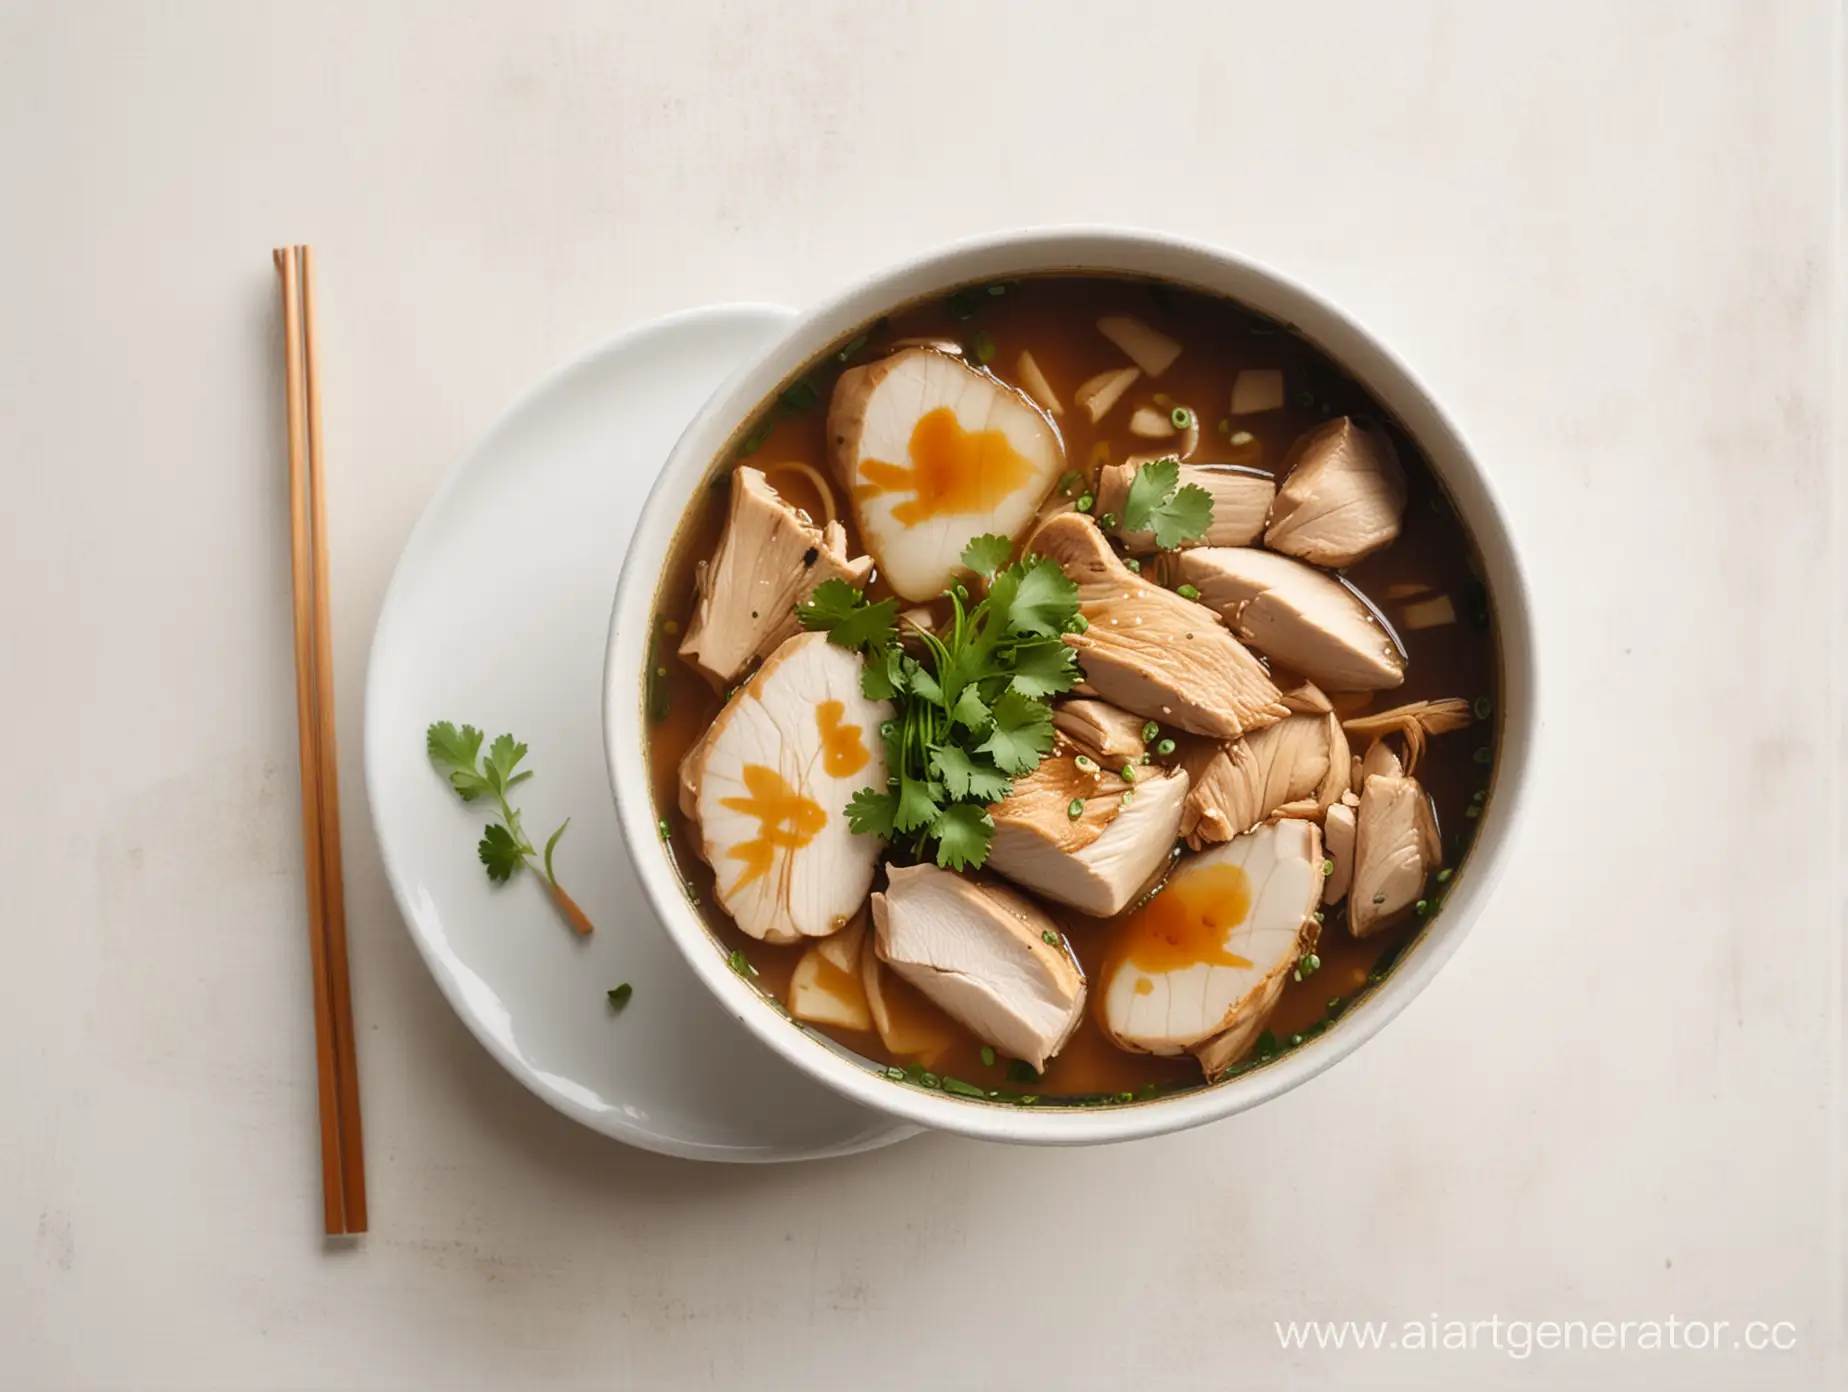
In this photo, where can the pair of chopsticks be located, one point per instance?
(343, 1169)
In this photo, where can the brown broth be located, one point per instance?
(1055, 317)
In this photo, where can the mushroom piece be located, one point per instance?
(827, 987)
(1098, 860)
(772, 780)
(1034, 383)
(1205, 956)
(1241, 499)
(1295, 615)
(1396, 846)
(934, 454)
(1412, 723)
(909, 1025)
(1149, 349)
(770, 558)
(1296, 767)
(1150, 652)
(1151, 424)
(1343, 498)
(1338, 843)
(1255, 390)
(1109, 735)
(987, 956)
(1098, 394)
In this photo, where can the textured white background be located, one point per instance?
(1604, 232)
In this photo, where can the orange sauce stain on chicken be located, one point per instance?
(1185, 925)
(785, 820)
(843, 751)
(952, 470)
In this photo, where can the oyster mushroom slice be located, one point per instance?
(909, 1026)
(1295, 615)
(1396, 846)
(1100, 860)
(1241, 500)
(1413, 723)
(933, 454)
(770, 558)
(1034, 383)
(827, 987)
(1150, 652)
(1295, 768)
(1255, 390)
(1111, 736)
(1096, 395)
(987, 957)
(1204, 956)
(1149, 349)
(773, 778)
(1343, 498)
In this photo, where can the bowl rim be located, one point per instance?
(1050, 250)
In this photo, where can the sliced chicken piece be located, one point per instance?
(1033, 382)
(1098, 861)
(1294, 768)
(1202, 957)
(1255, 390)
(1111, 736)
(1338, 848)
(827, 987)
(985, 955)
(1396, 846)
(1295, 615)
(1413, 723)
(1241, 500)
(770, 559)
(1307, 699)
(909, 1026)
(1343, 498)
(1149, 349)
(1150, 652)
(1095, 396)
(933, 454)
(1225, 1049)
(773, 777)
(1378, 762)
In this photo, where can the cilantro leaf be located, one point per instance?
(916, 808)
(1043, 668)
(922, 684)
(1043, 599)
(870, 813)
(1156, 503)
(963, 835)
(967, 778)
(1022, 735)
(987, 554)
(882, 678)
(456, 754)
(500, 852)
(971, 711)
(503, 756)
(842, 611)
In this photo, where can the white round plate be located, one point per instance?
(498, 616)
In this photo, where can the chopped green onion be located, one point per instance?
(1078, 623)
(739, 963)
(982, 346)
(1320, 917)
(1149, 731)
(1069, 480)
(1310, 963)
(1076, 809)
(1050, 938)
(897, 1075)
(1181, 417)
(1086, 764)
(852, 346)
(1422, 907)
(1164, 747)
(1484, 755)
(1443, 876)
(1107, 521)
(1129, 773)
(930, 1080)
(1225, 425)
(1020, 1071)
(1133, 564)
(1473, 811)
(1479, 795)
(1085, 502)
(962, 1089)
(988, 1056)
(1483, 707)
(1187, 591)
(1124, 800)
(799, 397)
(619, 997)
(665, 830)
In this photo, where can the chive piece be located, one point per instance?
(998, 288)
(982, 347)
(1133, 564)
(1311, 963)
(1107, 521)
(1225, 425)
(799, 397)
(1180, 417)
(1085, 502)
(1070, 480)
(1422, 908)
(1479, 795)
(1026, 1099)
(1149, 731)
(1123, 1097)
(1443, 876)
(1295, 1039)
(1328, 868)
(962, 1089)
(963, 303)
(1187, 591)
(1078, 623)
(1242, 437)
(1483, 707)
(1124, 801)
(988, 1056)
(665, 830)
(852, 346)
(1086, 764)
(1473, 811)
(1484, 754)
(1076, 809)
(755, 440)
(619, 997)
(1164, 747)
(1020, 1071)
(1334, 1004)
(1050, 938)
(1129, 773)
(930, 1080)
(1320, 917)
(739, 963)
(897, 1075)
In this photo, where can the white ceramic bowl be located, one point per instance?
(714, 433)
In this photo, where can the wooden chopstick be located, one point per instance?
(343, 1175)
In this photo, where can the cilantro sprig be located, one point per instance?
(974, 713)
(1157, 503)
(503, 847)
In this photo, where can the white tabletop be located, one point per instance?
(1605, 233)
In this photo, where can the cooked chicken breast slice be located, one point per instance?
(1098, 861)
(1338, 848)
(1396, 846)
(770, 559)
(1150, 652)
(1296, 616)
(1202, 957)
(1343, 498)
(934, 454)
(826, 987)
(1112, 736)
(1241, 501)
(987, 956)
(773, 778)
